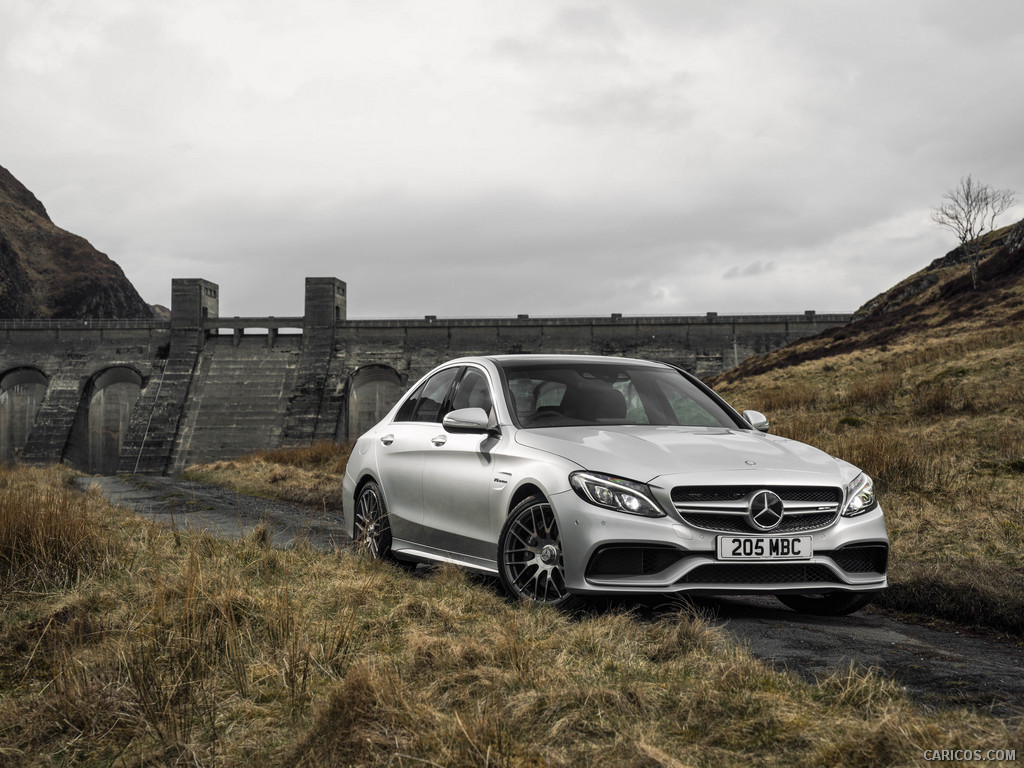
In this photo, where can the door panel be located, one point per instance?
(458, 476)
(402, 450)
(400, 466)
(457, 481)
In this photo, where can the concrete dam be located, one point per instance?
(154, 396)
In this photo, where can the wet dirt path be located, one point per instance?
(185, 503)
(938, 666)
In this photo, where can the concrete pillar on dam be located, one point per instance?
(193, 301)
(21, 393)
(154, 429)
(312, 412)
(326, 303)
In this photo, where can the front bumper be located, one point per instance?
(612, 552)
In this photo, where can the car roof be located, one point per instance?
(592, 359)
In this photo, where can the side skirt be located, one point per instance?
(407, 551)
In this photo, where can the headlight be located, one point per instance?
(615, 493)
(860, 496)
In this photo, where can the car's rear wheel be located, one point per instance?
(829, 604)
(372, 532)
(530, 558)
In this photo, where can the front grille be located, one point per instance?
(791, 523)
(867, 558)
(760, 574)
(723, 508)
(810, 493)
(631, 561)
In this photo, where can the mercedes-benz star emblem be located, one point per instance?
(765, 510)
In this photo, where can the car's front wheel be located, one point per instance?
(829, 604)
(530, 558)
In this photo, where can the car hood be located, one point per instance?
(643, 453)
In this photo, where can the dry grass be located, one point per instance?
(939, 423)
(48, 535)
(310, 476)
(192, 650)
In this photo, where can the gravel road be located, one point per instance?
(938, 666)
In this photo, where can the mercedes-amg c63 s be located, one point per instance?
(570, 476)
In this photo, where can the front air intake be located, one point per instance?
(760, 574)
(626, 560)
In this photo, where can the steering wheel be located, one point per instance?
(549, 412)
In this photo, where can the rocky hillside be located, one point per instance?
(938, 301)
(46, 272)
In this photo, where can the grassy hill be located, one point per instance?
(925, 392)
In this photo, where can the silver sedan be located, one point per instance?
(568, 476)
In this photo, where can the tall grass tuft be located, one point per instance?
(873, 392)
(933, 399)
(324, 454)
(49, 534)
(898, 462)
(791, 394)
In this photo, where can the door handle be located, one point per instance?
(439, 440)
(387, 439)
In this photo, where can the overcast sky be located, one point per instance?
(496, 157)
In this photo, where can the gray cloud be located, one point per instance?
(649, 106)
(755, 269)
(640, 156)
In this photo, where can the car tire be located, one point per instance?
(530, 558)
(372, 530)
(830, 604)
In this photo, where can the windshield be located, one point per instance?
(572, 394)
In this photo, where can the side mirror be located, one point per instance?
(467, 420)
(757, 420)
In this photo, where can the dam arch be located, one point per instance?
(372, 391)
(108, 400)
(21, 393)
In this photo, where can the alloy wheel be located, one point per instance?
(372, 527)
(532, 554)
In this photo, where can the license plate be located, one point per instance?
(764, 547)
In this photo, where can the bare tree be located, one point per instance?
(969, 211)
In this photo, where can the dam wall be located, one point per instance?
(154, 396)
